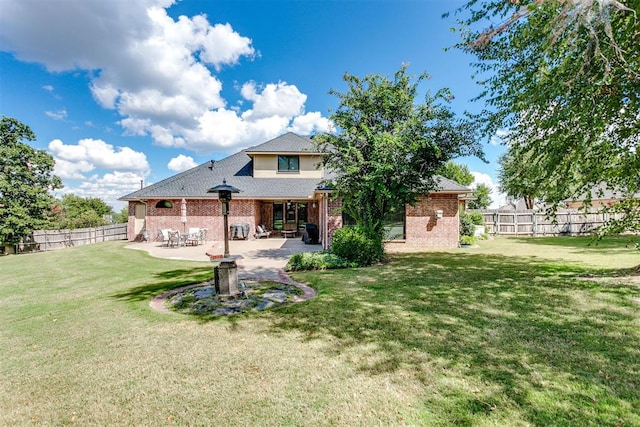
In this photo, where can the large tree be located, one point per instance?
(26, 177)
(80, 212)
(563, 77)
(388, 148)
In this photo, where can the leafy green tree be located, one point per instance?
(519, 175)
(80, 212)
(563, 77)
(26, 177)
(482, 194)
(387, 148)
(457, 172)
(122, 216)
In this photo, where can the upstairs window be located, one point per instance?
(288, 163)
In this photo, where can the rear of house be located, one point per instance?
(281, 188)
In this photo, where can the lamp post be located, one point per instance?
(224, 195)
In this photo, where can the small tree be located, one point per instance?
(457, 172)
(26, 177)
(388, 148)
(519, 174)
(482, 197)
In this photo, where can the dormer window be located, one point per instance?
(288, 163)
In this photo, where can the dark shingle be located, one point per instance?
(237, 170)
(287, 143)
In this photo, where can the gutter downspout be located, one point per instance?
(144, 224)
(325, 222)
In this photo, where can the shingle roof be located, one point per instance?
(237, 171)
(603, 192)
(446, 185)
(287, 143)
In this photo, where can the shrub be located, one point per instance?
(467, 240)
(357, 244)
(477, 218)
(317, 261)
(467, 226)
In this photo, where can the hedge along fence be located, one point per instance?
(536, 223)
(46, 240)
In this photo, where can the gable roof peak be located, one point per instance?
(286, 143)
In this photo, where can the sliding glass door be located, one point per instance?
(289, 215)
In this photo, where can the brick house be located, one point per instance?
(279, 184)
(601, 196)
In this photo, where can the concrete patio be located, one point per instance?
(256, 259)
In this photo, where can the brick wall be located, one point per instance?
(203, 213)
(334, 218)
(423, 228)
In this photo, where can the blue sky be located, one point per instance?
(120, 91)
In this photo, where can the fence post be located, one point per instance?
(570, 223)
(535, 223)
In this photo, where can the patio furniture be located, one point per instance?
(163, 236)
(261, 232)
(239, 231)
(289, 233)
(174, 238)
(195, 236)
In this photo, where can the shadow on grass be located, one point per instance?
(531, 338)
(165, 281)
(586, 244)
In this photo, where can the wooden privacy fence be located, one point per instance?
(46, 240)
(532, 223)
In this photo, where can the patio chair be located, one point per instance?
(194, 237)
(163, 236)
(174, 238)
(261, 232)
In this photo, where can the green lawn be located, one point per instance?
(508, 333)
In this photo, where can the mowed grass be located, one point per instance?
(508, 333)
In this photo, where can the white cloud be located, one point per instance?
(66, 169)
(278, 99)
(222, 45)
(67, 35)
(108, 187)
(497, 197)
(48, 88)
(99, 154)
(278, 108)
(156, 71)
(311, 123)
(181, 163)
(57, 115)
(114, 171)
